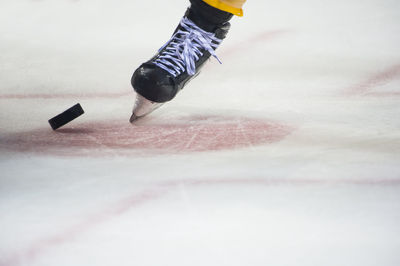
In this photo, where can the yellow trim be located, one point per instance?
(225, 7)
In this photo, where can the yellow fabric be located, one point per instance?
(231, 6)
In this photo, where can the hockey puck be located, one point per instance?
(66, 116)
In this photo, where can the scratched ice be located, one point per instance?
(286, 154)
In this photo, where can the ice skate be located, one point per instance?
(159, 80)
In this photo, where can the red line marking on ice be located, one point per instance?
(49, 96)
(376, 80)
(40, 247)
(182, 135)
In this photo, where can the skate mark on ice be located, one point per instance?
(182, 135)
(369, 86)
(190, 142)
(89, 222)
(242, 131)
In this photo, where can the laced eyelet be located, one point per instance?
(185, 47)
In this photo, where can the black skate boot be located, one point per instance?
(198, 35)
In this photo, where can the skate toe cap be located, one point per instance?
(154, 83)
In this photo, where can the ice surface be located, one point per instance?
(286, 154)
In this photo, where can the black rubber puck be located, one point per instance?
(66, 116)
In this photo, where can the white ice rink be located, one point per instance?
(287, 154)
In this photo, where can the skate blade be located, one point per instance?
(142, 107)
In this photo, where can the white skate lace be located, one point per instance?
(183, 50)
